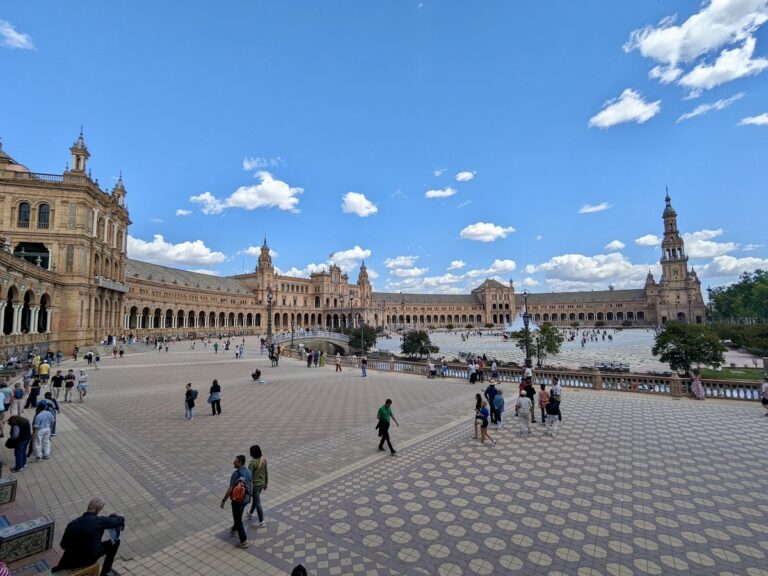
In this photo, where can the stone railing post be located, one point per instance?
(677, 386)
(391, 364)
(597, 381)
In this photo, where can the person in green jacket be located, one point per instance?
(384, 417)
(258, 468)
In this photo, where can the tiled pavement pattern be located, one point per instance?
(632, 485)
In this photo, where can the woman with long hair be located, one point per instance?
(258, 468)
(214, 398)
(478, 405)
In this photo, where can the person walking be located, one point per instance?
(17, 404)
(556, 391)
(553, 413)
(478, 405)
(490, 395)
(82, 385)
(484, 413)
(69, 384)
(214, 398)
(239, 494)
(260, 475)
(524, 407)
(697, 388)
(190, 395)
(338, 362)
(34, 393)
(543, 400)
(322, 358)
(56, 383)
(498, 408)
(21, 435)
(530, 391)
(384, 417)
(764, 393)
(41, 429)
(364, 365)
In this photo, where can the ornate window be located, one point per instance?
(43, 216)
(24, 214)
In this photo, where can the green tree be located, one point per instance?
(684, 346)
(369, 337)
(545, 341)
(417, 342)
(745, 299)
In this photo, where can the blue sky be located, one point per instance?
(444, 142)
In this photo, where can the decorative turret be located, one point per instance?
(649, 281)
(80, 154)
(265, 260)
(363, 276)
(119, 191)
(674, 262)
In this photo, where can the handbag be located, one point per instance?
(210, 399)
(11, 443)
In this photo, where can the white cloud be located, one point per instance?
(440, 283)
(648, 240)
(156, 220)
(497, 270)
(465, 176)
(750, 247)
(718, 23)
(665, 74)
(699, 244)
(10, 38)
(356, 203)
(456, 265)
(269, 193)
(539, 237)
(485, 232)
(158, 251)
(410, 272)
(629, 107)
(591, 209)
(730, 65)
(615, 245)
(465, 203)
(442, 193)
(759, 120)
(206, 271)
(258, 163)
(256, 251)
(728, 265)
(182, 212)
(530, 282)
(704, 108)
(438, 171)
(400, 261)
(302, 272)
(577, 271)
(349, 260)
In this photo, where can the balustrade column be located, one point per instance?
(138, 322)
(33, 317)
(48, 318)
(17, 318)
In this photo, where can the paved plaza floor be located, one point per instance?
(633, 484)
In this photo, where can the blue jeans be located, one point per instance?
(20, 452)
(363, 369)
(237, 518)
(187, 411)
(256, 503)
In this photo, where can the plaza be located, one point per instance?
(634, 484)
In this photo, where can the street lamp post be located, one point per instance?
(710, 305)
(526, 322)
(293, 327)
(690, 311)
(269, 316)
(341, 316)
(402, 312)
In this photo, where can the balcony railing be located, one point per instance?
(110, 284)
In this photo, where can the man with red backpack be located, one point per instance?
(238, 493)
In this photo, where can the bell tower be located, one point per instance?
(674, 262)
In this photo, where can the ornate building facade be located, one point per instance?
(66, 279)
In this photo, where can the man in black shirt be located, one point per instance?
(530, 391)
(56, 383)
(82, 540)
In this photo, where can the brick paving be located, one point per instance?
(632, 485)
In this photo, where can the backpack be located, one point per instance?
(18, 393)
(194, 394)
(238, 492)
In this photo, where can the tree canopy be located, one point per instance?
(544, 341)
(684, 346)
(369, 337)
(746, 300)
(417, 342)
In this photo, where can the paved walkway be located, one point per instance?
(633, 485)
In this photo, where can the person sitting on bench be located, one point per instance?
(82, 540)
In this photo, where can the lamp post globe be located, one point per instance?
(526, 324)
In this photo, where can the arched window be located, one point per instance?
(43, 216)
(23, 221)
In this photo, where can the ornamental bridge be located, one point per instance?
(331, 342)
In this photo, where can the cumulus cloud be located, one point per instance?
(629, 107)
(699, 244)
(409, 272)
(580, 272)
(729, 265)
(648, 240)
(730, 65)
(158, 251)
(302, 272)
(530, 282)
(182, 212)
(750, 247)
(485, 232)
(356, 203)
(256, 251)
(718, 23)
(442, 193)
(440, 283)
(438, 171)
(759, 120)
(456, 265)
(497, 270)
(259, 163)
(615, 245)
(10, 38)
(269, 193)
(704, 108)
(400, 261)
(591, 209)
(349, 260)
(465, 176)
(445, 284)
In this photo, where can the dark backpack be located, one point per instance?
(18, 393)
(194, 394)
